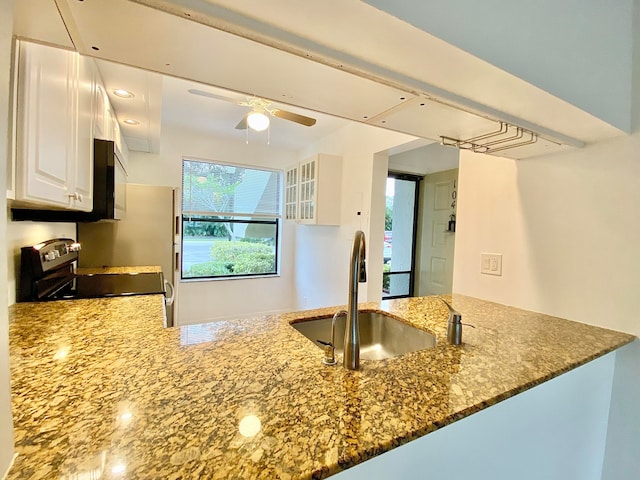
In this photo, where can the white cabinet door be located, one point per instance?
(100, 124)
(46, 125)
(86, 115)
(108, 120)
(308, 176)
(319, 190)
(312, 191)
(291, 193)
(113, 125)
(122, 149)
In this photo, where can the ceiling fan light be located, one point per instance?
(258, 121)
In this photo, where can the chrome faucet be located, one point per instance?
(357, 273)
(330, 346)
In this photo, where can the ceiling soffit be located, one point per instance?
(356, 37)
(183, 44)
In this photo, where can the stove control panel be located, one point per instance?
(62, 249)
(49, 255)
(46, 266)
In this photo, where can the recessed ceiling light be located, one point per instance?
(129, 121)
(123, 93)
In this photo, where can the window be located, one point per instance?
(230, 220)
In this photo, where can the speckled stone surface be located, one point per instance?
(127, 269)
(101, 390)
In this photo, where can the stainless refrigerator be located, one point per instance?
(148, 235)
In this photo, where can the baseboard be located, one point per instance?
(6, 474)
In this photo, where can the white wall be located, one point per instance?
(623, 437)
(567, 226)
(526, 437)
(576, 50)
(424, 160)
(569, 229)
(201, 301)
(6, 422)
(322, 253)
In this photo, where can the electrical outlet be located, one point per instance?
(491, 263)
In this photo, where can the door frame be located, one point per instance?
(417, 179)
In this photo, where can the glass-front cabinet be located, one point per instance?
(313, 190)
(291, 193)
(308, 191)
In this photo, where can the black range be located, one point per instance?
(47, 272)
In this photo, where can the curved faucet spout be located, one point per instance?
(357, 273)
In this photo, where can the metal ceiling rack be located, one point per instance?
(506, 137)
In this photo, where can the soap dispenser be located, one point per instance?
(454, 325)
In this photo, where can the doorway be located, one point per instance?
(436, 233)
(434, 247)
(401, 224)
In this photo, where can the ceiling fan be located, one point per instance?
(257, 118)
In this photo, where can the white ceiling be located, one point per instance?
(163, 101)
(210, 116)
(145, 107)
(363, 65)
(355, 37)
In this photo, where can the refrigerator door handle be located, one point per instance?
(169, 286)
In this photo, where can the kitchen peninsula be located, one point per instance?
(101, 390)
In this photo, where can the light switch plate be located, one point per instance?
(491, 263)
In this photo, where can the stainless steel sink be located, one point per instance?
(381, 336)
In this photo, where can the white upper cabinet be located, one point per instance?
(291, 193)
(87, 84)
(61, 106)
(101, 121)
(110, 128)
(44, 124)
(313, 190)
(122, 151)
(46, 130)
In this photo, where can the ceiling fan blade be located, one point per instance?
(242, 124)
(202, 93)
(294, 117)
(261, 104)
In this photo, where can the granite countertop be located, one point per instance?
(127, 269)
(100, 388)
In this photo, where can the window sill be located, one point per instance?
(222, 279)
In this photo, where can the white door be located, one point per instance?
(436, 248)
